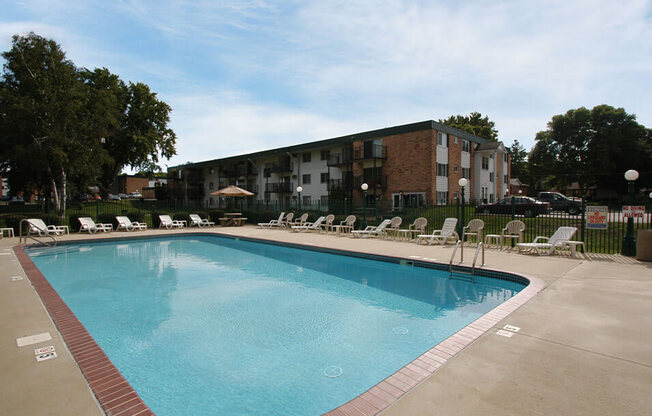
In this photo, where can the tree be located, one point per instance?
(61, 124)
(594, 148)
(45, 128)
(519, 160)
(474, 123)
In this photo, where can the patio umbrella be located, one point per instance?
(232, 191)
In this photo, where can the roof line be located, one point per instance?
(371, 134)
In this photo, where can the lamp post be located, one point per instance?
(299, 190)
(364, 188)
(629, 244)
(463, 182)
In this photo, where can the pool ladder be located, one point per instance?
(23, 238)
(463, 272)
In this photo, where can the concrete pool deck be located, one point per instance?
(584, 345)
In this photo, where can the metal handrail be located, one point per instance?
(21, 237)
(450, 263)
(475, 258)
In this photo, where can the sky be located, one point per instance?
(249, 75)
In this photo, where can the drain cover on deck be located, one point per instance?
(33, 339)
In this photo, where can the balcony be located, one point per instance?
(245, 170)
(279, 187)
(374, 151)
(250, 187)
(377, 182)
(345, 183)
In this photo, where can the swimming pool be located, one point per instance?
(210, 325)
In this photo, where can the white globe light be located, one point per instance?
(299, 189)
(463, 182)
(650, 195)
(631, 175)
(364, 186)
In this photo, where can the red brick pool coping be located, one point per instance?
(118, 398)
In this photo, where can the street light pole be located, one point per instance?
(299, 190)
(462, 182)
(364, 188)
(629, 244)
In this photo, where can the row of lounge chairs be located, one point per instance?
(390, 228)
(86, 224)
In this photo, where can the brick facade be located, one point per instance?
(410, 166)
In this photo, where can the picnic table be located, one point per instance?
(232, 219)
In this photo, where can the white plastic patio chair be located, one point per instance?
(87, 224)
(473, 228)
(124, 223)
(414, 229)
(446, 233)
(545, 246)
(372, 231)
(309, 226)
(345, 226)
(327, 225)
(195, 219)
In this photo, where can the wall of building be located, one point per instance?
(409, 166)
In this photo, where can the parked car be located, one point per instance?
(135, 195)
(523, 205)
(559, 202)
(123, 196)
(113, 197)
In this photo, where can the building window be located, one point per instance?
(455, 169)
(466, 173)
(456, 140)
(491, 176)
(505, 179)
(466, 146)
(305, 179)
(491, 155)
(442, 198)
(325, 154)
(505, 157)
(485, 163)
(324, 177)
(442, 139)
(307, 202)
(442, 169)
(210, 186)
(457, 195)
(306, 157)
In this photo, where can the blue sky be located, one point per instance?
(243, 76)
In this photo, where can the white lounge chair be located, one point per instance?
(195, 219)
(124, 223)
(87, 224)
(273, 223)
(545, 246)
(38, 226)
(309, 226)
(372, 231)
(446, 233)
(168, 222)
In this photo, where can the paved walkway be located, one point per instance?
(583, 347)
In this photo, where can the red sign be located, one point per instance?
(633, 211)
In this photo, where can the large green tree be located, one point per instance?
(61, 124)
(45, 136)
(594, 148)
(474, 123)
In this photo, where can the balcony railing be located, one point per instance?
(279, 187)
(345, 183)
(378, 182)
(375, 151)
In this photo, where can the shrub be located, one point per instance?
(215, 216)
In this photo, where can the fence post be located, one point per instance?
(513, 211)
(97, 210)
(583, 226)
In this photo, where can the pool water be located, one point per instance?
(205, 325)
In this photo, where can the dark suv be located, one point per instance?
(559, 202)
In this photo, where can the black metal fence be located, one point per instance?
(607, 240)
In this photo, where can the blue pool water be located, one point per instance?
(204, 325)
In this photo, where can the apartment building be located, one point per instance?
(408, 165)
